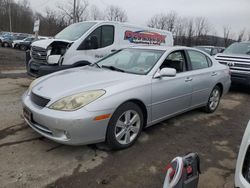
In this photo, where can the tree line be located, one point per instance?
(19, 17)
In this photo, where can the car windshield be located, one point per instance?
(238, 48)
(74, 31)
(135, 61)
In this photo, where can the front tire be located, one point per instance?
(5, 44)
(214, 100)
(125, 126)
(23, 48)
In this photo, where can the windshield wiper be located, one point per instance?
(113, 68)
(95, 64)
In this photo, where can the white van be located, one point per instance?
(86, 42)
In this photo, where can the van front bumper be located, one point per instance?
(37, 69)
(71, 128)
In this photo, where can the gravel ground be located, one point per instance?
(29, 160)
(11, 59)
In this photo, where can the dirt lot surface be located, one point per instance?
(29, 160)
(11, 59)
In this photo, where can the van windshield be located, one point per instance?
(74, 31)
(238, 48)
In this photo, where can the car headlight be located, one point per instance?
(76, 101)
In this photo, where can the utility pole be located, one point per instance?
(10, 16)
(74, 12)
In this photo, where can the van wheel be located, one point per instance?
(5, 44)
(214, 100)
(23, 48)
(125, 126)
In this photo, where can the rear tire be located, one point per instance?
(214, 100)
(125, 126)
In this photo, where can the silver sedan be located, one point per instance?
(115, 98)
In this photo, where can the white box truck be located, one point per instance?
(86, 42)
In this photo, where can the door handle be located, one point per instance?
(188, 79)
(114, 50)
(214, 73)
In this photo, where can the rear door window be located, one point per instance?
(198, 60)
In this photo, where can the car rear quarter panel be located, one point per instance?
(223, 76)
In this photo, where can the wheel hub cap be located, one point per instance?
(127, 127)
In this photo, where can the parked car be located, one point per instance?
(2, 35)
(237, 57)
(8, 40)
(112, 100)
(87, 42)
(211, 50)
(23, 44)
(242, 174)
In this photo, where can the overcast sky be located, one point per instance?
(233, 13)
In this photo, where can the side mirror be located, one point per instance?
(166, 72)
(53, 59)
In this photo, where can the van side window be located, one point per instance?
(175, 60)
(101, 37)
(96, 34)
(107, 35)
(198, 60)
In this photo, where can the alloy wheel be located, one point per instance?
(127, 127)
(214, 99)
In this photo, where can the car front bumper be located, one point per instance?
(71, 128)
(240, 77)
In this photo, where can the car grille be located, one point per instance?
(39, 54)
(235, 63)
(38, 100)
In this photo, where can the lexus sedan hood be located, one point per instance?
(72, 81)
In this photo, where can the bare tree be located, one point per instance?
(201, 29)
(158, 21)
(226, 34)
(241, 35)
(190, 32)
(115, 13)
(201, 26)
(96, 14)
(180, 31)
(164, 21)
(81, 12)
(171, 19)
(214, 39)
(51, 23)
